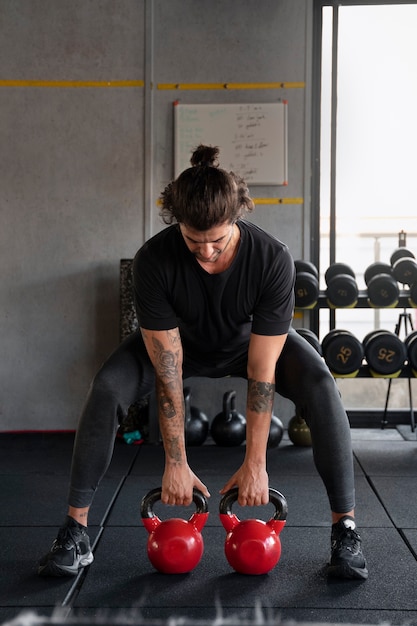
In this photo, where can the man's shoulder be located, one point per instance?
(261, 237)
(158, 242)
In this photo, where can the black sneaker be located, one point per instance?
(69, 552)
(347, 560)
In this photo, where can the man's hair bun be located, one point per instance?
(205, 195)
(205, 156)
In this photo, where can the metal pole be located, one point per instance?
(333, 147)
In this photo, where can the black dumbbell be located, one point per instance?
(385, 353)
(383, 290)
(404, 266)
(412, 297)
(306, 284)
(342, 289)
(411, 345)
(343, 353)
(311, 337)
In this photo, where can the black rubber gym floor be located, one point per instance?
(122, 586)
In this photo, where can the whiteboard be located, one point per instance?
(252, 138)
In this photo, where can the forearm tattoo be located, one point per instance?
(167, 406)
(260, 396)
(166, 367)
(166, 362)
(173, 449)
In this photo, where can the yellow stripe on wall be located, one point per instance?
(278, 200)
(71, 83)
(141, 83)
(280, 85)
(265, 201)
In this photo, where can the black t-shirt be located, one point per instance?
(215, 313)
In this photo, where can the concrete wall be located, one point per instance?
(83, 163)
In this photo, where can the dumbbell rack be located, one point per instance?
(363, 303)
(403, 318)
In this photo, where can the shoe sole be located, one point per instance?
(52, 569)
(347, 571)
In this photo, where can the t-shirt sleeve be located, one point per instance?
(275, 308)
(153, 308)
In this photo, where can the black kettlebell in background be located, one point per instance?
(276, 432)
(229, 427)
(196, 422)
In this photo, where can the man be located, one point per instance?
(214, 296)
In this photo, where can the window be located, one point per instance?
(368, 150)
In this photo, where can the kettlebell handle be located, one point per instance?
(275, 497)
(148, 501)
(187, 403)
(229, 404)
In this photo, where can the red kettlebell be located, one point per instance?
(175, 546)
(253, 546)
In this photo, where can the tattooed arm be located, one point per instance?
(252, 478)
(165, 351)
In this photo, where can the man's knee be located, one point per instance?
(110, 388)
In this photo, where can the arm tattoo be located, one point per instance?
(167, 406)
(166, 362)
(168, 376)
(174, 337)
(260, 396)
(174, 449)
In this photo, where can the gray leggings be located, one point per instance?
(301, 376)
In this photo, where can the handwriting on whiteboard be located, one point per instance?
(251, 138)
